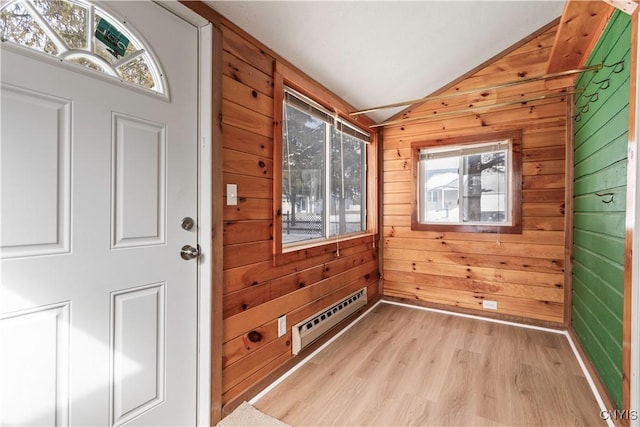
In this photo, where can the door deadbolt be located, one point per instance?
(187, 223)
(189, 252)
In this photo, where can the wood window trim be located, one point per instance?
(516, 190)
(285, 75)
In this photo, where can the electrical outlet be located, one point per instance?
(492, 305)
(282, 325)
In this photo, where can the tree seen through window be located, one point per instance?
(323, 177)
(59, 28)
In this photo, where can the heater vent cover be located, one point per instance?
(313, 327)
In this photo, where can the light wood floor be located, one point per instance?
(403, 366)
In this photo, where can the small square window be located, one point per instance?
(469, 184)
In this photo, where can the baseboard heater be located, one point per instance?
(307, 331)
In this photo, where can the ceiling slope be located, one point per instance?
(484, 108)
(381, 52)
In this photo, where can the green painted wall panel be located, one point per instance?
(616, 151)
(613, 176)
(611, 225)
(591, 203)
(608, 272)
(607, 366)
(602, 135)
(607, 55)
(608, 295)
(601, 316)
(595, 118)
(598, 321)
(609, 247)
(600, 150)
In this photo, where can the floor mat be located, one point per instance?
(247, 415)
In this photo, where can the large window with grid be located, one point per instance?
(323, 173)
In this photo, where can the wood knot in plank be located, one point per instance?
(254, 336)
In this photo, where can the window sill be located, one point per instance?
(310, 249)
(468, 228)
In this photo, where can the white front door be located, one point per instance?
(98, 311)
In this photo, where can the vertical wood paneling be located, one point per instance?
(523, 272)
(255, 290)
(601, 133)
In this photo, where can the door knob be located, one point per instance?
(189, 252)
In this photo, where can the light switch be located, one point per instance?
(282, 325)
(232, 194)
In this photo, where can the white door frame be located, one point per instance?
(205, 264)
(635, 282)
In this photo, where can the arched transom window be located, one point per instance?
(82, 33)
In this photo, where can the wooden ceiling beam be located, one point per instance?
(581, 24)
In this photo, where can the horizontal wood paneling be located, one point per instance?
(255, 290)
(524, 272)
(533, 236)
(242, 72)
(521, 307)
(244, 322)
(235, 232)
(248, 164)
(248, 209)
(246, 298)
(245, 118)
(550, 112)
(250, 187)
(246, 51)
(247, 142)
(494, 262)
(242, 94)
(246, 253)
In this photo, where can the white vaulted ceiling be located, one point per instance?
(379, 52)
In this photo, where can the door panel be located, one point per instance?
(138, 365)
(96, 178)
(139, 187)
(39, 338)
(35, 215)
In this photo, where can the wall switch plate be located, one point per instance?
(232, 194)
(492, 305)
(282, 325)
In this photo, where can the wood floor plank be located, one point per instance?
(405, 366)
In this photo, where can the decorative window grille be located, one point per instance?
(79, 32)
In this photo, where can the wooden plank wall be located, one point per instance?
(524, 272)
(255, 291)
(601, 136)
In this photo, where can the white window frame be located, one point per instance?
(459, 152)
(509, 141)
(330, 120)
